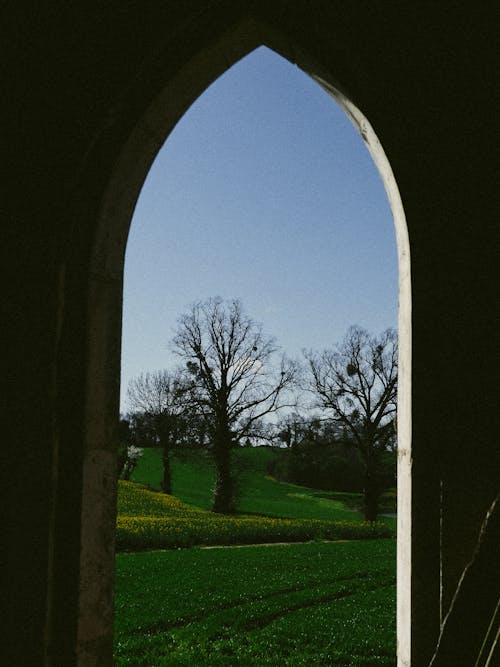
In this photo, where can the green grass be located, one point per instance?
(193, 479)
(298, 605)
(317, 603)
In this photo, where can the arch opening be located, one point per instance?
(106, 300)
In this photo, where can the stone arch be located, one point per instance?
(104, 320)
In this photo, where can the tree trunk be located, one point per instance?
(372, 493)
(164, 431)
(166, 485)
(223, 502)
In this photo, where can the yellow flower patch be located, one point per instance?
(150, 520)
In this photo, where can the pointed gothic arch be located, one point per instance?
(104, 312)
(81, 131)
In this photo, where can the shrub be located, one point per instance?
(331, 467)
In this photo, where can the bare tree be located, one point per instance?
(357, 384)
(160, 396)
(230, 363)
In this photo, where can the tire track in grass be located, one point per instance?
(161, 627)
(161, 633)
(261, 622)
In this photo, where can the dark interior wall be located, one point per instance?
(78, 79)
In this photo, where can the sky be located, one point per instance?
(264, 191)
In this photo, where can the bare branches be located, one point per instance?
(161, 398)
(157, 392)
(357, 384)
(357, 381)
(229, 359)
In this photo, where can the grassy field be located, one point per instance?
(193, 479)
(297, 605)
(313, 603)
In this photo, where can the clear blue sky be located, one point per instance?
(264, 191)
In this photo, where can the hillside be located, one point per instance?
(193, 479)
(151, 520)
